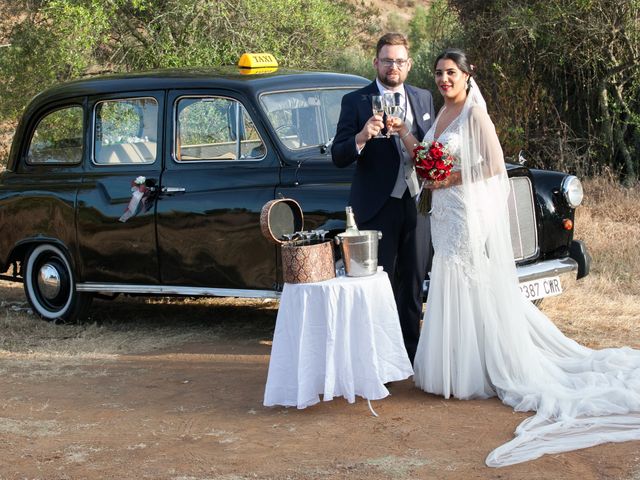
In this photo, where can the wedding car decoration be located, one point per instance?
(139, 195)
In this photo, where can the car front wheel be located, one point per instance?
(49, 285)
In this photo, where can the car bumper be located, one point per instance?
(578, 262)
(547, 268)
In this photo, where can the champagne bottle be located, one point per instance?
(352, 229)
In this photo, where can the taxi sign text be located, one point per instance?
(257, 60)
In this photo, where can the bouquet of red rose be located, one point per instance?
(433, 162)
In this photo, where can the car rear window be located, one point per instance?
(57, 138)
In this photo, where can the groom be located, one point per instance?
(385, 185)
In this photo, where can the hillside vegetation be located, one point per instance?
(561, 76)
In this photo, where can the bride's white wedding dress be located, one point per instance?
(482, 338)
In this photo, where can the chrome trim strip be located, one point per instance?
(548, 268)
(175, 290)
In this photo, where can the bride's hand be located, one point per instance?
(394, 124)
(451, 180)
(435, 185)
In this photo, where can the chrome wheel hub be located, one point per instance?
(49, 281)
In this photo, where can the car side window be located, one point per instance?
(215, 128)
(303, 119)
(125, 131)
(58, 137)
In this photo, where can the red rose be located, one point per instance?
(432, 161)
(417, 150)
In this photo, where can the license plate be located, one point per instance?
(540, 288)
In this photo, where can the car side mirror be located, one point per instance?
(521, 159)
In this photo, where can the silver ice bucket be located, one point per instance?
(359, 252)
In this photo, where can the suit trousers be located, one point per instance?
(405, 253)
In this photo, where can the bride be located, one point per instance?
(480, 337)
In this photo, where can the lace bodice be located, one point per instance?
(449, 232)
(449, 137)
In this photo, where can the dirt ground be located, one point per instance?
(193, 411)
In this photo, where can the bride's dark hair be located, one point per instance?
(459, 58)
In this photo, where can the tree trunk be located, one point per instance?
(606, 127)
(621, 137)
(636, 149)
(630, 173)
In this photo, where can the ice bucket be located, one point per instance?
(360, 252)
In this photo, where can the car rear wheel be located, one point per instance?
(50, 287)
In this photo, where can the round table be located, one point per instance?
(340, 337)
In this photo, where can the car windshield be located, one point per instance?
(304, 118)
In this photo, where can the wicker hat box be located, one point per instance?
(303, 261)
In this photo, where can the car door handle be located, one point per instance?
(172, 190)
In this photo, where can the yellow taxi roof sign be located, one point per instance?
(257, 60)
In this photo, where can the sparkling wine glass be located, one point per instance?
(392, 108)
(377, 106)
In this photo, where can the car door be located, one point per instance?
(304, 121)
(219, 172)
(116, 201)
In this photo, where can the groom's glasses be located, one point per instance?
(389, 62)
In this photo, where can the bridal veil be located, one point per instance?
(582, 397)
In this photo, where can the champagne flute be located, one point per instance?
(391, 108)
(377, 106)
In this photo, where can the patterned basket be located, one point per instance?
(302, 261)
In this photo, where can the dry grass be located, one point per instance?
(127, 326)
(600, 310)
(603, 309)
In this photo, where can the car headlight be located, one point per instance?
(572, 191)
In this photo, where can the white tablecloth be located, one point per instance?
(340, 337)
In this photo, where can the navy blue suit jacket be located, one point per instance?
(378, 162)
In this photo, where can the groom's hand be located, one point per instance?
(372, 128)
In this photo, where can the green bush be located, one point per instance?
(566, 73)
(66, 39)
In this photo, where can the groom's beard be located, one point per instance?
(392, 80)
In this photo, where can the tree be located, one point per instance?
(563, 75)
(65, 39)
(431, 30)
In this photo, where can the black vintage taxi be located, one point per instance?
(152, 183)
